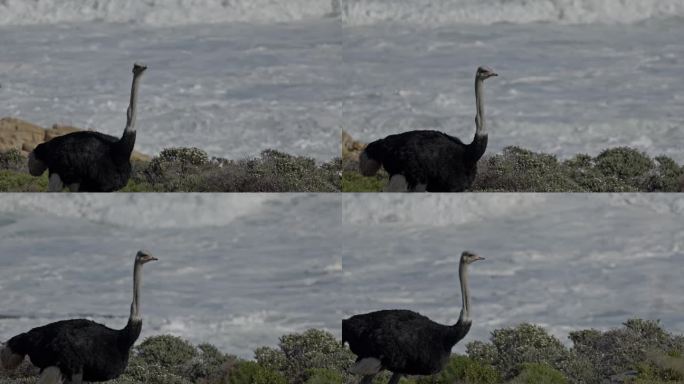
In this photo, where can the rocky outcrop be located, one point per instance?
(351, 149)
(24, 136)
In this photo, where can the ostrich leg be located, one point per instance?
(55, 183)
(397, 183)
(77, 378)
(395, 379)
(50, 375)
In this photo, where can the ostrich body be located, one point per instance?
(90, 161)
(430, 160)
(80, 350)
(405, 342)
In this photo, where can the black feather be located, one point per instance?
(97, 162)
(441, 162)
(79, 346)
(404, 341)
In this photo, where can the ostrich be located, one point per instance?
(405, 342)
(430, 160)
(89, 161)
(79, 350)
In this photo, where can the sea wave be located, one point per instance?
(437, 12)
(139, 211)
(159, 12)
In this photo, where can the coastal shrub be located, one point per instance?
(512, 347)
(166, 351)
(12, 160)
(142, 371)
(353, 181)
(176, 169)
(209, 364)
(324, 376)
(274, 172)
(666, 176)
(625, 163)
(298, 354)
(582, 170)
(22, 380)
(624, 349)
(11, 181)
(189, 170)
(465, 370)
(536, 373)
(661, 367)
(518, 169)
(249, 372)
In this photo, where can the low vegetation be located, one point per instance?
(192, 170)
(639, 352)
(516, 169)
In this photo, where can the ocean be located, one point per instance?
(236, 271)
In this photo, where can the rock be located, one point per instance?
(351, 149)
(19, 134)
(24, 136)
(59, 130)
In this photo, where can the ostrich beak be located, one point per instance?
(148, 258)
(479, 257)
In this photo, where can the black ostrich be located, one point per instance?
(79, 350)
(430, 161)
(405, 342)
(89, 161)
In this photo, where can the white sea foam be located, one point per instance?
(160, 12)
(248, 270)
(565, 262)
(435, 209)
(436, 12)
(172, 211)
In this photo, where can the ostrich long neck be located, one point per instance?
(465, 295)
(458, 331)
(124, 147)
(135, 305)
(130, 114)
(131, 332)
(480, 128)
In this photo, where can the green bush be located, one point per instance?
(143, 371)
(583, 171)
(167, 351)
(188, 170)
(624, 163)
(299, 354)
(323, 376)
(535, 373)
(628, 348)
(512, 347)
(11, 181)
(518, 169)
(355, 182)
(666, 177)
(12, 160)
(249, 372)
(465, 370)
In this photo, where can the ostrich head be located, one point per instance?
(139, 69)
(484, 73)
(144, 257)
(469, 257)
